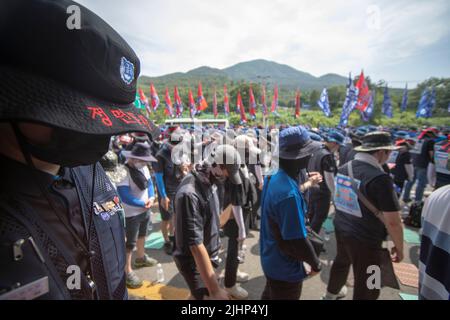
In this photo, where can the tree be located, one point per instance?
(313, 97)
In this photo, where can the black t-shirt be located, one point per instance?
(423, 159)
(399, 171)
(322, 161)
(172, 174)
(233, 194)
(196, 216)
(381, 192)
(328, 165)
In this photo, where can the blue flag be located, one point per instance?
(431, 103)
(404, 99)
(423, 105)
(387, 104)
(351, 98)
(367, 115)
(324, 104)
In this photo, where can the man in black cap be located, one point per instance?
(367, 210)
(63, 94)
(197, 222)
(323, 161)
(168, 177)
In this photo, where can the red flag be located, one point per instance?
(275, 99)
(154, 97)
(297, 104)
(168, 110)
(363, 93)
(201, 101)
(215, 104)
(144, 100)
(142, 95)
(191, 104)
(226, 103)
(178, 103)
(252, 104)
(240, 105)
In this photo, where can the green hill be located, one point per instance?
(256, 71)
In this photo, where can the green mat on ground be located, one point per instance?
(406, 296)
(154, 241)
(156, 217)
(328, 225)
(411, 236)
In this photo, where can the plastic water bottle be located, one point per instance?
(159, 273)
(241, 254)
(326, 236)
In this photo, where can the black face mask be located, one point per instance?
(293, 167)
(67, 148)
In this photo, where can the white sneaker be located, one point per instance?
(329, 296)
(340, 295)
(242, 276)
(343, 293)
(237, 292)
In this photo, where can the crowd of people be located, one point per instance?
(81, 168)
(281, 181)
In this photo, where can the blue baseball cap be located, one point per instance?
(315, 136)
(335, 136)
(401, 134)
(295, 143)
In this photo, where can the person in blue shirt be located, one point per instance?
(283, 244)
(137, 194)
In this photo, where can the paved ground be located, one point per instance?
(313, 288)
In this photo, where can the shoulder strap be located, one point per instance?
(364, 200)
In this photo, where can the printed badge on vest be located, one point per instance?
(441, 160)
(108, 208)
(345, 198)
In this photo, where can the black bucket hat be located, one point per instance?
(377, 140)
(77, 79)
(140, 151)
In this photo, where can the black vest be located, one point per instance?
(315, 165)
(368, 228)
(18, 220)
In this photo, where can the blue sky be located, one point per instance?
(398, 41)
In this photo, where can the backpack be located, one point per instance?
(415, 215)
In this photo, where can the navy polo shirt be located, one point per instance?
(282, 202)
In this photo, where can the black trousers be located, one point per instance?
(281, 290)
(188, 269)
(319, 206)
(255, 213)
(359, 255)
(231, 230)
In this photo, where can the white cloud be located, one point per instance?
(314, 36)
